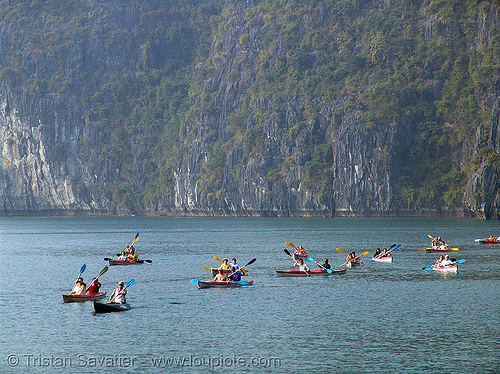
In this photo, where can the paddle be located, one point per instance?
(129, 283)
(289, 254)
(291, 245)
(321, 266)
(135, 239)
(353, 259)
(461, 261)
(82, 269)
(391, 248)
(103, 271)
(340, 250)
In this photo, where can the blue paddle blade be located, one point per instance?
(461, 261)
(130, 282)
(328, 271)
(311, 259)
(243, 283)
(392, 246)
(396, 247)
(428, 267)
(83, 269)
(195, 280)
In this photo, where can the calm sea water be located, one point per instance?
(379, 318)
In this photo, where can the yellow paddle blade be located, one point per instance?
(290, 244)
(430, 236)
(206, 268)
(420, 249)
(135, 240)
(340, 250)
(217, 259)
(364, 253)
(454, 249)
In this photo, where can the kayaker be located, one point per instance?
(221, 277)
(94, 287)
(236, 276)
(234, 265)
(446, 261)
(118, 295)
(301, 265)
(326, 265)
(225, 265)
(384, 253)
(79, 288)
(300, 251)
(132, 256)
(438, 261)
(123, 256)
(377, 252)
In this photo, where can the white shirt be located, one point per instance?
(303, 267)
(446, 262)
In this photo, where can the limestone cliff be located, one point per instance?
(250, 108)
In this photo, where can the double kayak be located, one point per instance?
(80, 298)
(382, 259)
(488, 241)
(447, 268)
(351, 264)
(223, 284)
(440, 249)
(126, 262)
(108, 308)
(300, 273)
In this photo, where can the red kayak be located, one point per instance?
(80, 298)
(120, 262)
(299, 273)
(488, 241)
(226, 284)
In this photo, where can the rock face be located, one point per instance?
(244, 148)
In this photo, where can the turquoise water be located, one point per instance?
(378, 318)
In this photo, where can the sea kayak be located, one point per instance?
(447, 268)
(439, 249)
(351, 264)
(80, 298)
(488, 241)
(226, 284)
(299, 273)
(120, 262)
(382, 259)
(108, 308)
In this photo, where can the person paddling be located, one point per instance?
(123, 256)
(234, 265)
(79, 288)
(300, 264)
(326, 264)
(236, 276)
(221, 277)
(225, 265)
(118, 295)
(384, 253)
(438, 261)
(446, 261)
(94, 287)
